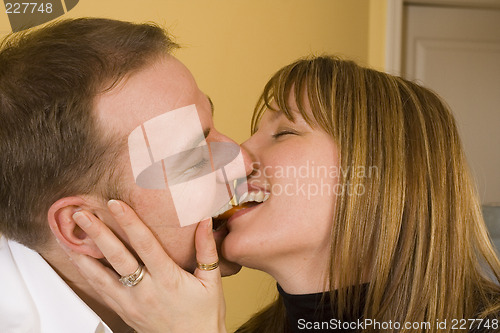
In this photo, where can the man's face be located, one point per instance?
(166, 85)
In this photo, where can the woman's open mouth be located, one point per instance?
(245, 201)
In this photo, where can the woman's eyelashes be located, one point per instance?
(284, 132)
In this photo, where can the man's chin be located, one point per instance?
(228, 268)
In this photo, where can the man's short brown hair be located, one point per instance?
(50, 143)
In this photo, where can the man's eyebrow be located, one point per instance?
(193, 144)
(211, 105)
(206, 133)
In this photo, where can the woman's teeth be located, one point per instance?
(259, 196)
(256, 196)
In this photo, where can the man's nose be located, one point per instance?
(249, 147)
(248, 160)
(230, 162)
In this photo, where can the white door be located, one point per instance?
(456, 52)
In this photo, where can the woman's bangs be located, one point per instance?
(276, 95)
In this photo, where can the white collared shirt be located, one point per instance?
(35, 299)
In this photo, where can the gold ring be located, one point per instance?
(134, 278)
(208, 267)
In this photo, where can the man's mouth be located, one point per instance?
(246, 200)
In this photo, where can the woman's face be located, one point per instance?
(297, 166)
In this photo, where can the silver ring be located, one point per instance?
(134, 278)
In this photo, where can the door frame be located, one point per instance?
(394, 24)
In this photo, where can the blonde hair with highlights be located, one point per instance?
(417, 233)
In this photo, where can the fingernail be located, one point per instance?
(209, 226)
(82, 220)
(115, 207)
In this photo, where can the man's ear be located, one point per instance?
(65, 229)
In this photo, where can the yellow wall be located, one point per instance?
(376, 34)
(232, 47)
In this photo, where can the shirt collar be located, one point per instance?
(59, 307)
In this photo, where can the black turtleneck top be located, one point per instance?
(314, 313)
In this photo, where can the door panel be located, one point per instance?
(456, 52)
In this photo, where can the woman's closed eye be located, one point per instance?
(282, 133)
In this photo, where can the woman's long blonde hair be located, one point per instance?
(417, 231)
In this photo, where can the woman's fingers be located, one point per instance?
(111, 247)
(142, 239)
(166, 288)
(206, 252)
(105, 281)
